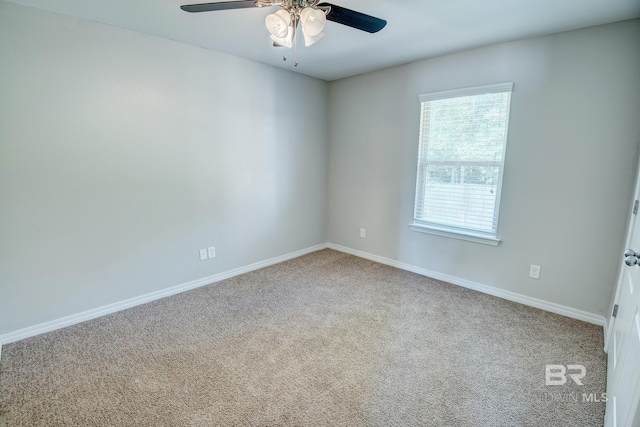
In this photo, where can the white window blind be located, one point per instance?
(463, 136)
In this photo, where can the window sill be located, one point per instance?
(461, 235)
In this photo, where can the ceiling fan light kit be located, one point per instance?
(310, 14)
(283, 24)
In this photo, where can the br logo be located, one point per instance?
(557, 374)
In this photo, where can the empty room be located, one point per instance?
(301, 213)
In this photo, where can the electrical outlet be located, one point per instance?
(363, 233)
(212, 251)
(203, 254)
(534, 271)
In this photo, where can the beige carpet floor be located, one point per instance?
(322, 340)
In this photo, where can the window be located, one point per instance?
(463, 137)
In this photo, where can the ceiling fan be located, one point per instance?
(310, 14)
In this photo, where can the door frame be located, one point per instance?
(609, 320)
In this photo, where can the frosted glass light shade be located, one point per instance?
(313, 21)
(278, 23)
(309, 40)
(283, 41)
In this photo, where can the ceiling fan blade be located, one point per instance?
(354, 19)
(223, 5)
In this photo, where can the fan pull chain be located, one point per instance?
(295, 19)
(295, 53)
(295, 46)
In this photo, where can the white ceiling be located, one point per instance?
(416, 29)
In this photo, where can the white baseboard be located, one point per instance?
(501, 293)
(605, 327)
(132, 302)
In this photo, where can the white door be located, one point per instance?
(623, 375)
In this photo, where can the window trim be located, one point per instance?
(460, 234)
(452, 231)
(469, 91)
